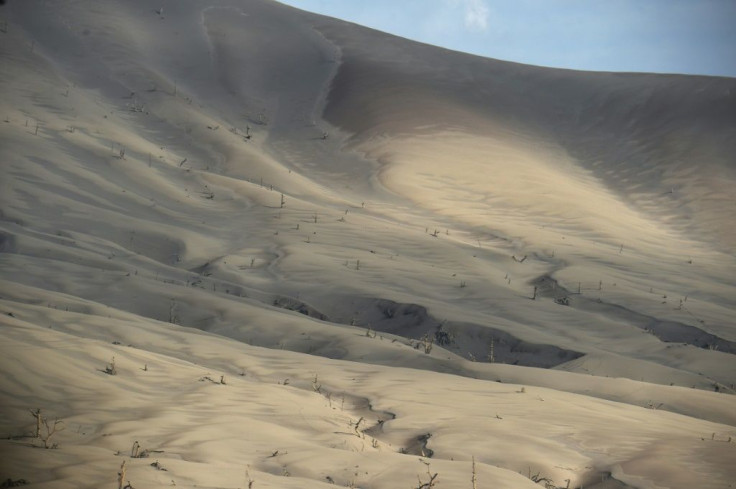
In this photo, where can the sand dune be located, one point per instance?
(322, 255)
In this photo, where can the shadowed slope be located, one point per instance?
(661, 143)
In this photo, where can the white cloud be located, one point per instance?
(476, 14)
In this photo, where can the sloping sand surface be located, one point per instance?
(273, 249)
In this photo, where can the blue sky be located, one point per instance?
(662, 36)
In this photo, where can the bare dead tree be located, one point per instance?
(474, 479)
(51, 429)
(110, 369)
(121, 475)
(39, 420)
(432, 478)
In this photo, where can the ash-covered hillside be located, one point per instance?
(322, 254)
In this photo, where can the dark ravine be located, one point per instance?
(296, 305)
(666, 330)
(470, 340)
(413, 322)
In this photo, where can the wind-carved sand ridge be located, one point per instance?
(273, 249)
